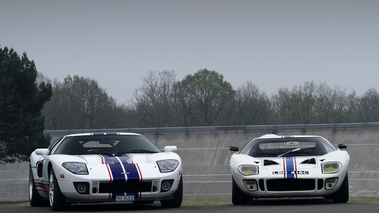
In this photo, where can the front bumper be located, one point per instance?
(150, 188)
(269, 187)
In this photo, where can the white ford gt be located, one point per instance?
(289, 166)
(101, 167)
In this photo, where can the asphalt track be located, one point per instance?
(269, 205)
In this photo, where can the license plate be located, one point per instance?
(125, 198)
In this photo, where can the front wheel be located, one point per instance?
(178, 197)
(238, 197)
(35, 198)
(342, 194)
(56, 198)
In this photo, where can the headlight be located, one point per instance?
(76, 168)
(332, 167)
(167, 165)
(248, 170)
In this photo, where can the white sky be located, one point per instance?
(274, 44)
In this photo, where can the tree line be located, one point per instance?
(203, 99)
(30, 103)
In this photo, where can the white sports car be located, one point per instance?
(289, 166)
(101, 167)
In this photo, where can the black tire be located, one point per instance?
(238, 197)
(342, 195)
(56, 199)
(178, 197)
(35, 199)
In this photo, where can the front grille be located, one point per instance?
(320, 184)
(261, 184)
(290, 184)
(128, 187)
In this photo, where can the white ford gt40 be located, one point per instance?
(289, 166)
(101, 167)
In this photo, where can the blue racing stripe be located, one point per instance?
(104, 133)
(290, 168)
(132, 172)
(130, 168)
(117, 168)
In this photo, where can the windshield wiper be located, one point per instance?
(294, 150)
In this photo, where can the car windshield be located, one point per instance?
(284, 147)
(105, 144)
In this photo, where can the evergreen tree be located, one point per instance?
(21, 102)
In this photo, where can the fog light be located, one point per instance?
(82, 187)
(251, 185)
(166, 185)
(330, 183)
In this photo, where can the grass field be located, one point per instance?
(205, 202)
(228, 201)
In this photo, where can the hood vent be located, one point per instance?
(269, 163)
(309, 161)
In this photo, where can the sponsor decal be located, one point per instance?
(290, 172)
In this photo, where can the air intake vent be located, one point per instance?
(309, 161)
(269, 163)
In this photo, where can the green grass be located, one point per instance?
(206, 201)
(14, 204)
(228, 201)
(201, 202)
(372, 200)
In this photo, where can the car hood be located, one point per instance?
(298, 161)
(105, 167)
(138, 158)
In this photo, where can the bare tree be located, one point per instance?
(154, 100)
(314, 103)
(369, 106)
(250, 106)
(77, 103)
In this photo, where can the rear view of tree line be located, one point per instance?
(203, 99)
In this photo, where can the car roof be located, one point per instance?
(287, 136)
(102, 133)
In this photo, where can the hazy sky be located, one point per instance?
(273, 44)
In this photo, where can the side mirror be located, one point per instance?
(43, 152)
(233, 149)
(170, 148)
(342, 146)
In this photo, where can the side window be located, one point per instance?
(51, 147)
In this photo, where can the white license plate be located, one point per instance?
(125, 198)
